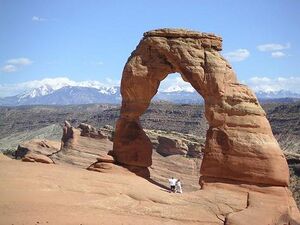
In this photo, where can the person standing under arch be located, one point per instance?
(178, 188)
(172, 183)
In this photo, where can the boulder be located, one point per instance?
(33, 157)
(37, 146)
(171, 146)
(36, 150)
(90, 131)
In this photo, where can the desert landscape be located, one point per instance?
(149, 112)
(67, 193)
(232, 168)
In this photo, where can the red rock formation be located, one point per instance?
(34, 157)
(81, 147)
(195, 150)
(240, 145)
(171, 146)
(90, 131)
(106, 159)
(36, 150)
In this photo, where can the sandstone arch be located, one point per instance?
(240, 146)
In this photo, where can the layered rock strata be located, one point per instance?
(240, 150)
(81, 146)
(239, 146)
(37, 150)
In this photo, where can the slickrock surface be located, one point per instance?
(239, 142)
(284, 120)
(4, 157)
(35, 193)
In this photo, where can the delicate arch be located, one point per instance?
(239, 146)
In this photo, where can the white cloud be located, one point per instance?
(19, 61)
(174, 82)
(38, 19)
(237, 55)
(278, 54)
(270, 47)
(274, 84)
(9, 68)
(54, 83)
(13, 65)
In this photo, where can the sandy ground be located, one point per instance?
(36, 193)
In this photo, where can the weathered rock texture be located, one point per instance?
(81, 146)
(37, 150)
(105, 163)
(41, 146)
(169, 146)
(34, 157)
(90, 131)
(239, 145)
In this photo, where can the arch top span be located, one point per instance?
(208, 39)
(240, 145)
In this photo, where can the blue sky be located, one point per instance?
(91, 40)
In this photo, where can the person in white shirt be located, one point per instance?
(178, 187)
(172, 182)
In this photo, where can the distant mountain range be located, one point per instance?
(68, 95)
(88, 94)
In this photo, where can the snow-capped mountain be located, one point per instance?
(40, 91)
(179, 96)
(47, 95)
(94, 92)
(178, 88)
